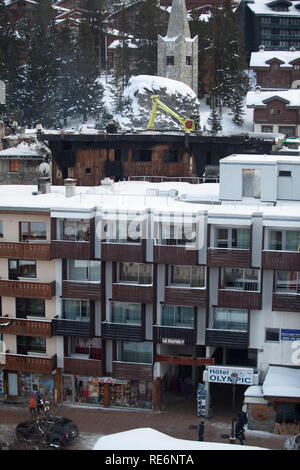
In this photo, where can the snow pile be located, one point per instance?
(282, 382)
(150, 439)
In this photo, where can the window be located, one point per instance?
(288, 131)
(170, 60)
(126, 313)
(272, 111)
(75, 230)
(285, 240)
(77, 310)
(238, 238)
(30, 308)
(1, 229)
(136, 273)
(176, 233)
(251, 183)
(272, 335)
(297, 67)
(88, 171)
(240, 279)
(21, 268)
(173, 156)
(187, 276)
(283, 20)
(33, 231)
(123, 230)
(267, 128)
(230, 319)
(188, 60)
(285, 173)
(177, 316)
(86, 346)
(13, 166)
(28, 344)
(129, 351)
(266, 20)
(84, 270)
(287, 281)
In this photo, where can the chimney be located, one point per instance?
(70, 184)
(258, 90)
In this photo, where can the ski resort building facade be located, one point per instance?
(113, 295)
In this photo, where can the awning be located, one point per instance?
(282, 382)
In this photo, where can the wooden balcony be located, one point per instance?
(168, 254)
(281, 260)
(122, 332)
(26, 289)
(62, 249)
(63, 327)
(29, 363)
(226, 338)
(24, 327)
(185, 296)
(174, 335)
(81, 290)
(239, 299)
(223, 257)
(27, 250)
(286, 302)
(132, 293)
(134, 252)
(132, 371)
(83, 367)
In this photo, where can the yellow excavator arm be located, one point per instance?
(188, 124)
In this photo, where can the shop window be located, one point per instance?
(1, 229)
(28, 344)
(177, 316)
(187, 276)
(137, 352)
(75, 230)
(287, 281)
(13, 166)
(84, 270)
(134, 394)
(30, 308)
(126, 313)
(285, 240)
(240, 279)
(76, 310)
(137, 273)
(230, 319)
(21, 268)
(233, 238)
(33, 231)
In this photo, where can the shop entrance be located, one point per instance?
(221, 398)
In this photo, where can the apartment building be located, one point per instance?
(112, 295)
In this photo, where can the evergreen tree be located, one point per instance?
(94, 14)
(122, 59)
(215, 118)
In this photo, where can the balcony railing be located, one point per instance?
(81, 290)
(174, 335)
(168, 254)
(83, 367)
(26, 289)
(28, 250)
(133, 293)
(30, 363)
(226, 338)
(134, 252)
(63, 327)
(281, 260)
(62, 249)
(122, 332)
(225, 257)
(185, 296)
(286, 302)
(24, 327)
(239, 299)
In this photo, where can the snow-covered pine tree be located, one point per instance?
(215, 117)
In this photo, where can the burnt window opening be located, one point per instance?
(173, 156)
(142, 155)
(66, 145)
(88, 171)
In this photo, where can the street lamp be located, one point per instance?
(234, 377)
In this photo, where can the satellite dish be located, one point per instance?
(44, 169)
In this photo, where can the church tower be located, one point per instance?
(177, 52)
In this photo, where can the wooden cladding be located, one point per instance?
(121, 332)
(124, 252)
(132, 293)
(61, 249)
(281, 260)
(81, 290)
(83, 367)
(185, 335)
(225, 257)
(132, 371)
(16, 326)
(27, 250)
(183, 296)
(30, 363)
(286, 303)
(164, 254)
(226, 339)
(25, 289)
(239, 299)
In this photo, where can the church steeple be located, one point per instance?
(177, 52)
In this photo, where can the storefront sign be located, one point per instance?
(290, 335)
(261, 412)
(177, 341)
(108, 380)
(186, 360)
(222, 375)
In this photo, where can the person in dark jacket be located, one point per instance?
(201, 431)
(239, 429)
